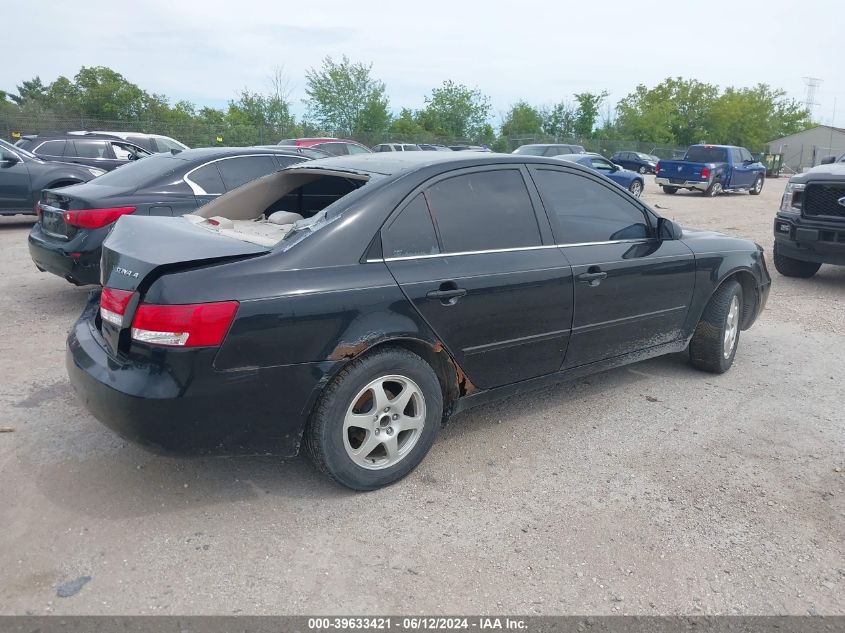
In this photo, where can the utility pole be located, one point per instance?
(812, 84)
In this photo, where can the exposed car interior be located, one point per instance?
(267, 209)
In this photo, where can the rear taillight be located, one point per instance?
(193, 325)
(95, 218)
(38, 209)
(705, 172)
(113, 304)
(657, 168)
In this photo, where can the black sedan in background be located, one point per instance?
(351, 304)
(101, 151)
(73, 221)
(23, 176)
(635, 161)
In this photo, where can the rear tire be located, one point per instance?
(789, 267)
(714, 189)
(716, 337)
(360, 432)
(670, 190)
(758, 186)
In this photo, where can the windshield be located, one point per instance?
(531, 150)
(141, 172)
(704, 154)
(18, 150)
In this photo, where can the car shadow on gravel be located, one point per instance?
(16, 222)
(115, 480)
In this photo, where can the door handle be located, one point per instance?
(448, 294)
(593, 277)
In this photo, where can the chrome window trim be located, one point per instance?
(508, 250)
(199, 191)
(52, 209)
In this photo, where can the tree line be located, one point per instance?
(345, 99)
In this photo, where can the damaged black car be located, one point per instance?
(350, 305)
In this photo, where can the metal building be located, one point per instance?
(806, 149)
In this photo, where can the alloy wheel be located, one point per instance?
(384, 422)
(731, 328)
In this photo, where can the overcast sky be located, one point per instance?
(540, 51)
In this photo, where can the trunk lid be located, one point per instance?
(140, 248)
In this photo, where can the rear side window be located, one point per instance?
(412, 232)
(52, 148)
(238, 171)
(209, 179)
(583, 211)
(486, 210)
(335, 149)
(286, 161)
(91, 149)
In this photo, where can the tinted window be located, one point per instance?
(139, 173)
(601, 164)
(702, 154)
(530, 150)
(335, 149)
(208, 178)
(585, 211)
(52, 148)
(237, 171)
(92, 149)
(124, 151)
(356, 149)
(165, 144)
(412, 233)
(285, 161)
(484, 211)
(140, 141)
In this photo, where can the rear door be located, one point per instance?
(632, 290)
(92, 152)
(478, 263)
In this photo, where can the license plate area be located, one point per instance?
(53, 223)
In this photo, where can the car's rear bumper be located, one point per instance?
(682, 184)
(76, 260)
(820, 242)
(178, 402)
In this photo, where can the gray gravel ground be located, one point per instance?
(652, 489)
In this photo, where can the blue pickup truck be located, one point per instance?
(712, 169)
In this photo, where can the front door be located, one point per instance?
(497, 296)
(15, 194)
(632, 290)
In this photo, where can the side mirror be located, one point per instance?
(828, 161)
(668, 230)
(9, 159)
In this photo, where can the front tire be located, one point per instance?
(636, 188)
(716, 337)
(789, 267)
(376, 420)
(758, 186)
(670, 190)
(643, 170)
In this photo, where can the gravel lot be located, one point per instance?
(651, 489)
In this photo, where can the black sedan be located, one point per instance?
(352, 304)
(23, 176)
(73, 221)
(635, 161)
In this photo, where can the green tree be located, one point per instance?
(405, 127)
(32, 90)
(675, 111)
(522, 120)
(753, 116)
(457, 112)
(588, 112)
(345, 99)
(559, 120)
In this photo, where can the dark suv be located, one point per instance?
(810, 225)
(95, 150)
(24, 175)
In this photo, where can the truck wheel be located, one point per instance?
(714, 190)
(758, 186)
(376, 420)
(789, 267)
(713, 345)
(670, 190)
